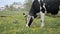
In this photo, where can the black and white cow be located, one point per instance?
(42, 6)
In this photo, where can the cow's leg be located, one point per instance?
(42, 18)
(29, 20)
(42, 13)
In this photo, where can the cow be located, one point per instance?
(42, 7)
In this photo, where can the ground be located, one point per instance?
(13, 22)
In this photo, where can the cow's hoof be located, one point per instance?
(42, 25)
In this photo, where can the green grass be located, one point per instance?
(14, 23)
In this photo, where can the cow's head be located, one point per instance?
(29, 19)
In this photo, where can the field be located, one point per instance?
(13, 22)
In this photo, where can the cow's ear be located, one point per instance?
(24, 14)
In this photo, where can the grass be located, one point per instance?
(14, 23)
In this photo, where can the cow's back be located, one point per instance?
(52, 6)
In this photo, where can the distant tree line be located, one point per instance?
(27, 6)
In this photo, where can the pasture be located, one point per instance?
(13, 22)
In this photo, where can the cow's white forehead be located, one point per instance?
(38, 0)
(33, 0)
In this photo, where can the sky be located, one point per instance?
(9, 2)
